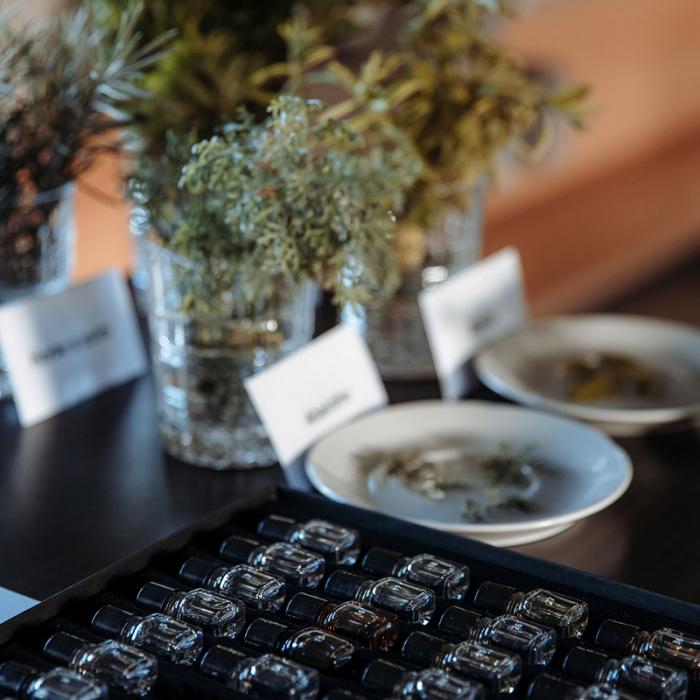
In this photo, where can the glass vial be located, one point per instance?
(119, 665)
(157, 633)
(367, 627)
(57, 684)
(398, 683)
(298, 566)
(535, 644)
(338, 544)
(266, 677)
(666, 645)
(447, 578)
(633, 673)
(217, 615)
(499, 671)
(411, 603)
(567, 616)
(254, 587)
(310, 646)
(547, 687)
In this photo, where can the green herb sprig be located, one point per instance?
(297, 197)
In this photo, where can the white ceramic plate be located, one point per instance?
(587, 470)
(520, 366)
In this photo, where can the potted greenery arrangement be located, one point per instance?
(448, 88)
(440, 82)
(61, 83)
(244, 231)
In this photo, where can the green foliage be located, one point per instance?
(210, 70)
(62, 83)
(450, 89)
(444, 84)
(274, 204)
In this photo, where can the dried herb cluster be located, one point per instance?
(274, 204)
(61, 84)
(443, 83)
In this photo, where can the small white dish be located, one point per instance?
(521, 367)
(588, 471)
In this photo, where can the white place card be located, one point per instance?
(470, 309)
(68, 347)
(12, 604)
(324, 385)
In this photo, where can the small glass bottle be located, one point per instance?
(633, 673)
(395, 682)
(119, 665)
(547, 687)
(411, 603)
(287, 560)
(367, 627)
(666, 645)
(254, 587)
(157, 633)
(57, 684)
(535, 644)
(567, 616)
(447, 578)
(310, 646)
(338, 544)
(499, 671)
(267, 677)
(216, 614)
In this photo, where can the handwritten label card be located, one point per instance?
(318, 388)
(65, 348)
(470, 309)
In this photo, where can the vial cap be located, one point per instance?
(493, 597)
(381, 561)
(422, 648)
(276, 527)
(304, 608)
(154, 596)
(263, 634)
(343, 584)
(221, 663)
(13, 676)
(458, 622)
(382, 676)
(238, 549)
(196, 571)
(615, 635)
(62, 647)
(548, 687)
(584, 664)
(110, 620)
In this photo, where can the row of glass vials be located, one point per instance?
(482, 655)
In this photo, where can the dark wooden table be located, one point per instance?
(92, 485)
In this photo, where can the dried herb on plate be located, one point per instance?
(507, 477)
(598, 376)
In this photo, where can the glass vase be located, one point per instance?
(394, 328)
(36, 250)
(200, 360)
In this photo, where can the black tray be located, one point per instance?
(606, 598)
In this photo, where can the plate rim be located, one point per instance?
(483, 528)
(642, 417)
